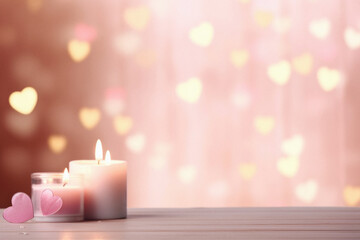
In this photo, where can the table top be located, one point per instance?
(202, 223)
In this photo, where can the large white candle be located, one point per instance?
(105, 186)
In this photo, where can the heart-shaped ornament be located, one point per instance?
(50, 203)
(21, 209)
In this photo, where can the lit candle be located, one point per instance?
(105, 185)
(69, 188)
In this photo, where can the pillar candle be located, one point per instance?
(71, 193)
(104, 187)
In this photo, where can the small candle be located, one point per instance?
(105, 185)
(69, 188)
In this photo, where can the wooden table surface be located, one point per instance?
(202, 223)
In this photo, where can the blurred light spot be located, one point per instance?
(239, 57)
(127, 43)
(34, 5)
(307, 191)
(190, 90)
(279, 72)
(264, 124)
(351, 195)
(244, 1)
(187, 173)
(202, 35)
(21, 125)
(157, 162)
(352, 38)
(136, 142)
(24, 101)
(160, 7)
(219, 189)
(16, 161)
(7, 36)
(160, 155)
(114, 101)
(163, 148)
(328, 78)
(57, 143)
(293, 146)
(281, 24)
(84, 32)
(288, 166)
(241, 99)
(89, 117)
(320, 28)
(123, 124)
(78, 50)
(263, 18)
(247, 170)
(145, 57)
(137, 17)
(303, 63)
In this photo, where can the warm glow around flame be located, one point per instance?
(66, 177)
(107, 157)
(98, 151)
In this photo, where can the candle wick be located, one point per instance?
(64, 184)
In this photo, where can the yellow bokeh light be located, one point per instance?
(57, 143)
(279, 72)
(137, 17)
(190, 90)
(89, 117)
(78, 50)
(264, 124)
(24, 101)
(202, 35)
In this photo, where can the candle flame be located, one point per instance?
(98, 151)
(107, 157)
(66, 177)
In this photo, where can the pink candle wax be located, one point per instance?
(72, 195)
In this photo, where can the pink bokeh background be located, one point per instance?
(212, 103)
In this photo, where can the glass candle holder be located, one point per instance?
(71, 193)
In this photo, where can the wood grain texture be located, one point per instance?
(202, 223)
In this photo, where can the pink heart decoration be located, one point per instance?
(50, 204)
(21, 209)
